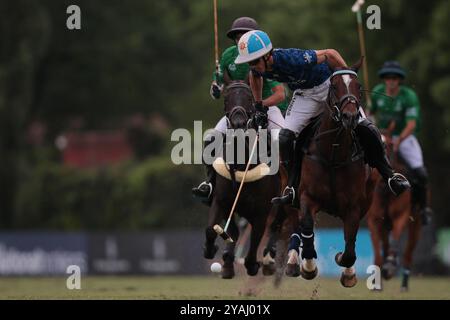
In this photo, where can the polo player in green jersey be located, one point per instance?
(274, 96)
(393, 101)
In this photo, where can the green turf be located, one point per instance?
(212, 287)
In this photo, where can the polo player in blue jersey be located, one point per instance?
(307, 73)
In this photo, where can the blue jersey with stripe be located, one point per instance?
(298, 68)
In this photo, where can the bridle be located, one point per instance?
(336, 105)
(238, 109)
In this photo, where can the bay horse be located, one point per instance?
(334, 178)
(254, 203)
(388, 217)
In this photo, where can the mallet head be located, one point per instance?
(222, 233)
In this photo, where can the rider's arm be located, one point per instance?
(331, 57)
(409, 129)
(412, 114)
(278, 96)
(256, 83)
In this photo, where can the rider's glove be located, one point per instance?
(215, 90)
(260, 118)
(260, 107)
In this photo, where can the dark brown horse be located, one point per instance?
(334, 178)
(254, 202)
(388, 217)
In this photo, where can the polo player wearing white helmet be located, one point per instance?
(307, 73)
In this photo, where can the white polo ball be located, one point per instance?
(216, 267)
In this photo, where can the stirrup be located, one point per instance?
(394, 176)
(283, 197)
(209, 184)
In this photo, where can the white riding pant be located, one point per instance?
(410, 151)
(274, 115)
(307, 104)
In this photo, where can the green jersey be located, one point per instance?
(402, 108)
(240, 72)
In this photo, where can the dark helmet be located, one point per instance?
(242, 24)
(391, 67)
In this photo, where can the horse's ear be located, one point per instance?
(355, 67)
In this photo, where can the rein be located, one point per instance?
(235, 108)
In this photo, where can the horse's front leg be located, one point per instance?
(391, 262)
(348, 257)
(269, 252)
(228, 254)
(304, 237)
(293, 262)
(413, 236)
(215, 216)
(258, 226)
(308, 268)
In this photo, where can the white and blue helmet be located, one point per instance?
(253, 45)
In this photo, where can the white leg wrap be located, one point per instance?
(309, 265)
(349, 271)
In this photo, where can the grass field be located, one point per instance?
(212, 287)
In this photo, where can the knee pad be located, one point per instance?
(370, 138)
(420, 176)
(286, 139)
(366, 127)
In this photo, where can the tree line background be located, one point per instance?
(144, 57)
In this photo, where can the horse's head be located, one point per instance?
(344, 97)
(239, 106)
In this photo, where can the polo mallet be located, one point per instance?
(216, 40)
(362, 47)
(218, 229)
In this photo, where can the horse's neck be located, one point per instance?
(335, 145)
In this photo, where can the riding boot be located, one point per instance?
(419, 181)
(204, 191)
(287, 152)
(375, 154)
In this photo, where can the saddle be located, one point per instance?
(256, 171)
(309, 133)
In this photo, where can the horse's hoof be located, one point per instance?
(292, 270)
(268, 269)
(404, 289)
(210, 251)
(308, 275)
(388, 269)
(386, 274)
(348, 281)
(227, 272)
(252, 268)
